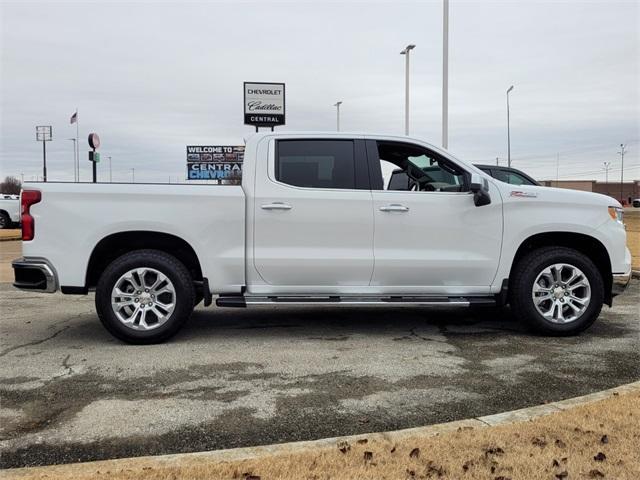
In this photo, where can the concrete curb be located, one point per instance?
(249, 453)
(10, 239)
(635, 273)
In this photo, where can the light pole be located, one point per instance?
(75, 172)
(621, 153)
(43, 134)
(508, 130)
(445, 74)
(337, 105)
(405, 52)
(607, 166)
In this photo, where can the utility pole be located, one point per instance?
(508, 130)
(405, 52)
(607, 166)
(557, 168)
(621, 153)
(445, 74)
(497, 161)
(337, 105)
(110, 171)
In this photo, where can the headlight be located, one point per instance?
(616, 213)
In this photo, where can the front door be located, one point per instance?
(313, 216)
(429, 235)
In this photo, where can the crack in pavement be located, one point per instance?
(35, 342)
(66, 365)
(38, 342)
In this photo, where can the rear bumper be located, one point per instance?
(34, 274)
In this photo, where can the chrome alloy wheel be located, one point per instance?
(143, 299)
(561, 293)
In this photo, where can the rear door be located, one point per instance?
(313, 220)
(433, 240)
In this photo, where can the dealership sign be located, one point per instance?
(214, 162)
(264, 104)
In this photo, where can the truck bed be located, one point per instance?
(72, 218)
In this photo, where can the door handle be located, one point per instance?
(276, 206)
(394, 207)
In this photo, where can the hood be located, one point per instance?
(559, 195)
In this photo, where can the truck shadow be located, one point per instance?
(340, 322)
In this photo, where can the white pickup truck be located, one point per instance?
(314, 223)
(9, 211)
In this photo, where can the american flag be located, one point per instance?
(74, 117)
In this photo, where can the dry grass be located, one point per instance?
(632, 222)
(600, 440)
(8, 252)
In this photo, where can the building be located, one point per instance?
(630, 190)
(584, 185)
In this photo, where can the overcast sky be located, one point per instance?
(153, 77)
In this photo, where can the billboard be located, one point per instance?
(264, 104)
(215, 162)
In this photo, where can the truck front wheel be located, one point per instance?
(556, 291)
(145, 296)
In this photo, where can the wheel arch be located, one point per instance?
(117, 244)
(585, 244)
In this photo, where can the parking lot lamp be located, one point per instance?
(337, 105)
(508, 130)
(405, 52)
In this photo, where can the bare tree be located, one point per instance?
(10, 186)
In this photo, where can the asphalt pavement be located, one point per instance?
(234, 377)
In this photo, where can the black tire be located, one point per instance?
(524, 275)
(166, 264)
(5, 221)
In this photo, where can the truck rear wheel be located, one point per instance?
(5, 221)
(556, 291)
(145, 296)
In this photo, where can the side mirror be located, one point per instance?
(480, 188)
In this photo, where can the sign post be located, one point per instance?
(43, 134)
(264, 104)
(94, 157)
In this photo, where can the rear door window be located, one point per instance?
(316, 163)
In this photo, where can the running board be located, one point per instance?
(245, 301)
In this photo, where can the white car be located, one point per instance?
(9, 211)
(312, 224)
